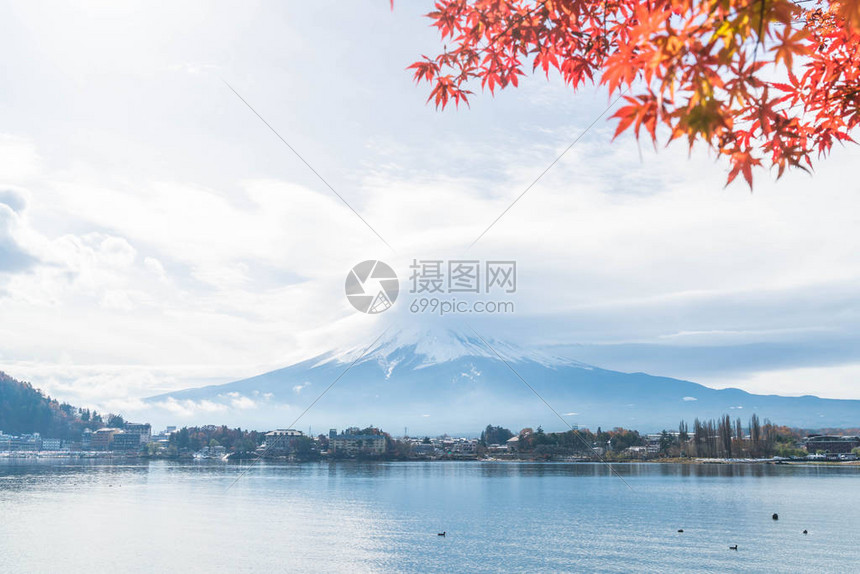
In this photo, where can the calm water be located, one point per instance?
(170, 517)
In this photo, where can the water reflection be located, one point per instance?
(359, 516)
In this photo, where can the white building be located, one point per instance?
(143, 430)
(52, 444)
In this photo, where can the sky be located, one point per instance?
(156, 235)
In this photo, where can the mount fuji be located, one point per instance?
(431, 382)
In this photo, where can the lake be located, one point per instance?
(86, 516)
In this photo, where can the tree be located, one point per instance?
(623, 439)
(759, 82)
(755, 435)
(665, 442)
(304, 447)
(115, 421)
(602, 438)
(495, 435)
(725, 432)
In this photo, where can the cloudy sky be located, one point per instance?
(155, 235)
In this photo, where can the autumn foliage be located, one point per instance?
(769, 83)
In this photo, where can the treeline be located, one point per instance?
(712, 438)
(724, 438)
(234, 440)
(578, 441)
(27, 410)
(572, 442)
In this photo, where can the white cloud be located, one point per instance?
(14, 198)
(189, 408)
(20, 160)
(155, 266)
(240, 401)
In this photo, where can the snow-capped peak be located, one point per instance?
(422, 347)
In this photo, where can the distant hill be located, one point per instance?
(26, 410)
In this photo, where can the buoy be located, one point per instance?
(775, 516)
(735, 547)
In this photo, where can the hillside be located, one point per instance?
(26, 410)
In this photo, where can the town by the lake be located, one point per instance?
(766, 443)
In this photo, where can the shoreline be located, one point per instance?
(124, 457)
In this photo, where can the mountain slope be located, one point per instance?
(26, 410)
(459, 385)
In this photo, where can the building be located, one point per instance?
(52, 444)
(142, 430)
(637, 451)
(163, 437)
(465, 446)
(101, 439)
(831, 443)
(125, 441)
(652, 443)
(352, 444)
(25, 442)
(423, 449)
(280, 442)
(86, 438)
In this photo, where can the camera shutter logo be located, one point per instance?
(372, 286)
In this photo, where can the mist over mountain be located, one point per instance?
(434, 382)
